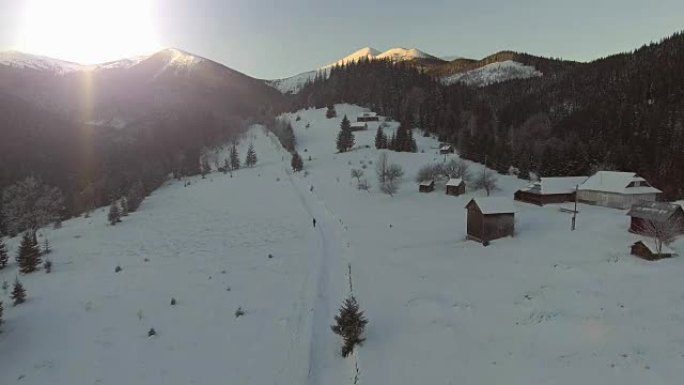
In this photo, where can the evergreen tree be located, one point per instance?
(1, 310)
(380, 139)
(331, 112)
(135, 196)
(350, 324)
(345, 138)
(18, 293)
(28, 258)
(46, 246)
(124, 207)
(251, 158)
(234, 158)
(4, 256)
(114, 215)
(296, 162)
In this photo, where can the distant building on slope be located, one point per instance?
(426, 186)
(550, 190)
(358, 126)
(658, 213)
(490, 218)
(648, 250)
(455, 186)
(615, 189)
(368, 117)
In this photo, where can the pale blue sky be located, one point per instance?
(277, 38)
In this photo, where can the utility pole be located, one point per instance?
(574, 212)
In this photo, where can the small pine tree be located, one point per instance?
(1, 309)
(124, 207)
(173, 302)
(28, 258)
(331, 112)
(296, 163)
(46, 247)
(380, 139)
(345, 138)
(151, 332)
(47, 265)
(4, 256)
(18, 293)
(251, 158)
(350, 324)
(234, 158)
(114, 215)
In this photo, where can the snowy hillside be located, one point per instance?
(401, 54)
(366, 53)
(40, 63)
(493, 73)
(295, 83)
(549, 306)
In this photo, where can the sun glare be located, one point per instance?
(88, 31)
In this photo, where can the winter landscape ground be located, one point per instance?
(548, 306)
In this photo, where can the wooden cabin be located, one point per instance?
(358, 126)
(368, 117)
(658, 213)
(615, 189)
(446, 149)
(550, 190)
(648, 250)
(455, 186)
(490, 218)
(426, 186)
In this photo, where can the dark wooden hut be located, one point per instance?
(426, 186)
(455, 187)
(490, 218)
(660, 213)
(648, 250)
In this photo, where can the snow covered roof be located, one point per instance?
(651, 246)
(654, 211)
(445, 147)
(370, 114)
(427, 183)
(618, 182)
(555, 185)
(358, 125)
(494, 205)
(455, 182)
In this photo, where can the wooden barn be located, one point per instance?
(426, 186)
(550, 190)
(656, 212)
(615, 189)
(368, 117)
(648, 250)
(455, 186)
(358, 126)
(446, 149)
(490, 218)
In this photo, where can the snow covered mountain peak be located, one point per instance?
(401, 54)
(366, 53)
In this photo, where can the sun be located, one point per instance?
(88, 31)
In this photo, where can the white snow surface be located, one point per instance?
(294, 84)
(548, 306)
(495, 205)
(366, 53)
(493, 73)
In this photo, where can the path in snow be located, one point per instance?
(326, 366)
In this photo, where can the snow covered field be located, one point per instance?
(549, 306)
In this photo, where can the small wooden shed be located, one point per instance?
(446, 149)
(490, 218)
(658, 213)
(426, 186)
(455, 186)
(648, 250)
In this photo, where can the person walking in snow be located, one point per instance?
(314, 222)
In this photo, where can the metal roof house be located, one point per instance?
(550, 190)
